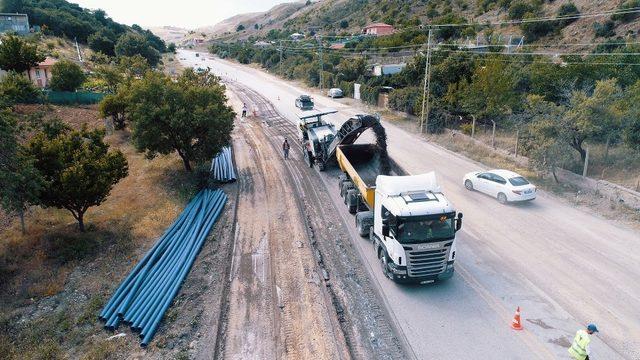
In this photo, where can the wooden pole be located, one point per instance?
(517, 140)
(586, 163)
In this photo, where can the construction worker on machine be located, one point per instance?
(579, 350)
(285, 148)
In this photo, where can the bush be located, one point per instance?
(567, 9)
(16, 88)
(132, 44)
(369, 94)
(605, 29)
(66, 76)
(466, 128)
(534, 30)
(629, 16)
(407, 99)
(518, 9)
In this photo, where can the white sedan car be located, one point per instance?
(504, 185)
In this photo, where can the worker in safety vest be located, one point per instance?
(579, 350)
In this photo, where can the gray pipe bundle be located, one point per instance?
(147, 292)
(222, 166)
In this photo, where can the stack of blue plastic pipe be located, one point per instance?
(147, 292)
(222, 166)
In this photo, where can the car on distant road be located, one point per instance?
(304, 102)
(334, 93)
(504, 185)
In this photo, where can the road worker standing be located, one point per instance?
(285, 148)
(579, 350)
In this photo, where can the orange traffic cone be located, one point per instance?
(515, 323)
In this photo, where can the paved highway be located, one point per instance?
(564, 267)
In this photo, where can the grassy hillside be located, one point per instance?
(92, 27)
(349, 16)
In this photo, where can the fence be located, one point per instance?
(68, 97)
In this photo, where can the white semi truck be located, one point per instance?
(410, 222)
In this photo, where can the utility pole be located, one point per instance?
(473, 126)
(493, 135)
(320, 56)
(424, 120)
(586, 163)
(517, 141)
(280, 63)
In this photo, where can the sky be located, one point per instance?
(190, 15)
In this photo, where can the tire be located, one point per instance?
(346, 186)
(469, 185)
(502, 198)
(351, 200)
(383, 263)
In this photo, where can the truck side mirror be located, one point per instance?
(385, 229)
(459, 222)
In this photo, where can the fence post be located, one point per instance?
(586, 163)
(493, 135)
(473, 126)
(517, 140)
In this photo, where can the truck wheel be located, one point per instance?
(384, 259)
(341, 179)
(351, 200)
(364, 222)
(346, 185)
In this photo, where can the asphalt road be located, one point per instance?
(564, 267)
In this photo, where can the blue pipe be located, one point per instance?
(148, 334)
(125, 285)
(127, 301)
(156, 297)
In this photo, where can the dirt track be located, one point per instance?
(316, 249)
(278, 306)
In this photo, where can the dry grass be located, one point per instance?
(71, 273)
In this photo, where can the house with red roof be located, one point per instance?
(40, 75)
(378, 29)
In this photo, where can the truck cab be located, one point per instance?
(414, 228)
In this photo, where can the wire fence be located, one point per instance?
(68, 97)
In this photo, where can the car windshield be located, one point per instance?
(518, 181)
(421, 229)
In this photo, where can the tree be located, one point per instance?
(631, 119)
(239, 28)
(548, 145)
(111, 75)
(102, 41)
(114, 105)
(133, 66)
(351, 69)
(18, 55)
(15, 89)
(595, 117)
(20, 182)
(189, 117)
(131, 44)
(567, 9)
(492, 91)
(171, 48)
(77, 166)
(66, 76)
(344, 24)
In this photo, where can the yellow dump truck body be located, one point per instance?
(366, 189)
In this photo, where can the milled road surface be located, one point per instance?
(564, 267)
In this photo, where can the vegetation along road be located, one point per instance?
(564, 267)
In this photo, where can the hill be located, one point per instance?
(92, 27)
(350, 16)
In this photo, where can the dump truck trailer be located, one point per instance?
(409, 220)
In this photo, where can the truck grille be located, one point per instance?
(426, 262)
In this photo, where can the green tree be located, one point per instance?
(77, 166)
(631, 117)
(66, 76)
(351, 69)
(115, 106)
(492, 91)
(133, 66)
(187, 117)
(15, 89)
(20, 182)
(171, 48)
(111, 75)
(239, 28)
(548, 145)
(131, 44)
(596, 117)
(18, 55)
(102, 41)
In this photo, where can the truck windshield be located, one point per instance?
(412, 230)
